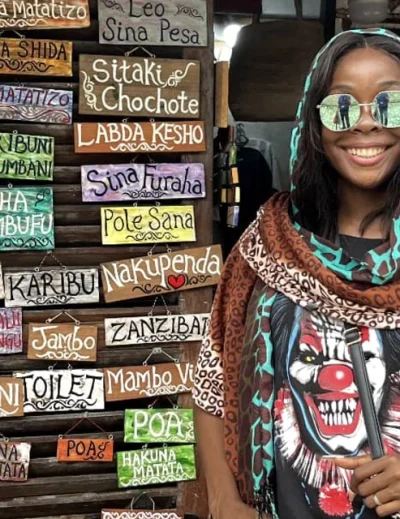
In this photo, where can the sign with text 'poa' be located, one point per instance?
(14, 461)
(140, 514)
(11, 397)
(10, 331)
(159, 426)
(84, 450)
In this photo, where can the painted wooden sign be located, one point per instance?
(66, 341)
(161, 273)
(129, 383)
(11, 397)
(37, 105)
(54, 286)
(10, 331)
(141, 87)
(169, 22)
(26, 218)
(154, 137)
(159, 426)
(156, 466)
(123, 331)
(26, 157)
(35, 57)
(140, 514)
(14, 461)
(44, 14)
(63, 390)
(147, 224)
(127, 182)
(1, 283)
(84, 449)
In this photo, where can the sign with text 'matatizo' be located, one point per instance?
(159, 426)
(140, 514)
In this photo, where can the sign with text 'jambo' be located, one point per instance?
(55, 286)
(11, 397)
(10, 331)
(142, 87)
(147, 224)
(156, 466)
(140, 514)
(14, 461)
(127, 182)
(35, 57)
(166, 22)
(84, 450)
(157, 137)
(63, 390)
(161, 273)
(26, 218)
(36, 105)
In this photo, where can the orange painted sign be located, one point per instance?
(84, 449)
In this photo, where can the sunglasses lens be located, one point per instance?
(387, 109)
(339, 112)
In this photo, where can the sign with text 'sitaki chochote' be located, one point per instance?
(11, 397)
(140, 514)
(14, 461)
(10, 331)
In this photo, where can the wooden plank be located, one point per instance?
(45, 14)
(147, 224)
(161, 273)
(14, 461)
(67, 341)
(56, 286)
(11, 397)
(221, 94)
(164, 23)
(156, 466)
(35, 57)
(10, 331)
(121, 182)
(129, 383)
(159, 426)
(150, 137)
(140, 87)
(26, 218)
(85, 449)
(123, 331)
(35, 105)
(63, 390)
(140, 514)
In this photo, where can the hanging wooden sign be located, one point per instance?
(84, 449)
(35, 57)
(37, 105)
(140, 514)
(159, 426)
(169, 22)
(63, 390)
(66, 341)
(156, 466)
(11, 397)
(1, 283)
(140, 87)
(133, 382)
(10, 331)
(147, 224)
(56, 286)
(161, 273)
(14, 461)
(154, 137)
(125, 331)
(26, 218)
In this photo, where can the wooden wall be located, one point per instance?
(79, 491)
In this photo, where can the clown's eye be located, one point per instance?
(309, 358)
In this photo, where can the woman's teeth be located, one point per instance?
(366, 152)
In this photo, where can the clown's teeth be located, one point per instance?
(334, 406)
(344, 419)
(340, 406)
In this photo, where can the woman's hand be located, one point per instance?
(236, 509)
(377, 481)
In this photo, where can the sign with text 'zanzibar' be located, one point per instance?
(159, 426)
(142, 87)
(14, 461)
(11, 397)
(140, 514)
(35, 57)
(10, 331)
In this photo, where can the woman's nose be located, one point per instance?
(367, 123)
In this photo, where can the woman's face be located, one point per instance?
(368, 154)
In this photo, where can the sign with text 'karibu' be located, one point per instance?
(85, 449)
(133, 382)
(140, 514)
(26, 218)
(170, 22)
(153, 137)
(44, 14)
(35, 57)
(26, 157)
(161, 273)
(123, 331)
(142, 87)
(159, 426)
(54, 286)
(63, 390)
(36, 105)
(11, 397)
(63, 342)
(147, 224)
(156, 466)
(10, 331)
(14, 461)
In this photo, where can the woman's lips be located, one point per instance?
(368, 156)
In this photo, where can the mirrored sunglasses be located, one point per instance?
(341, 112)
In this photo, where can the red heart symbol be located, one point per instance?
(177, 281)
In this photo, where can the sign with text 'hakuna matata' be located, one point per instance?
(14, 461)
(159, 426)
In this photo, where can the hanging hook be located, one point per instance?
(63, 312)
(159, 351)
(132, 51)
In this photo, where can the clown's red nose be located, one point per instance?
(336, 377)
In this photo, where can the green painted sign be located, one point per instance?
(156, 466)
(159, 426)
(26, 218)
(26, 157)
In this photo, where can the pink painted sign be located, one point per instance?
(10, 330)
(122, 182)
